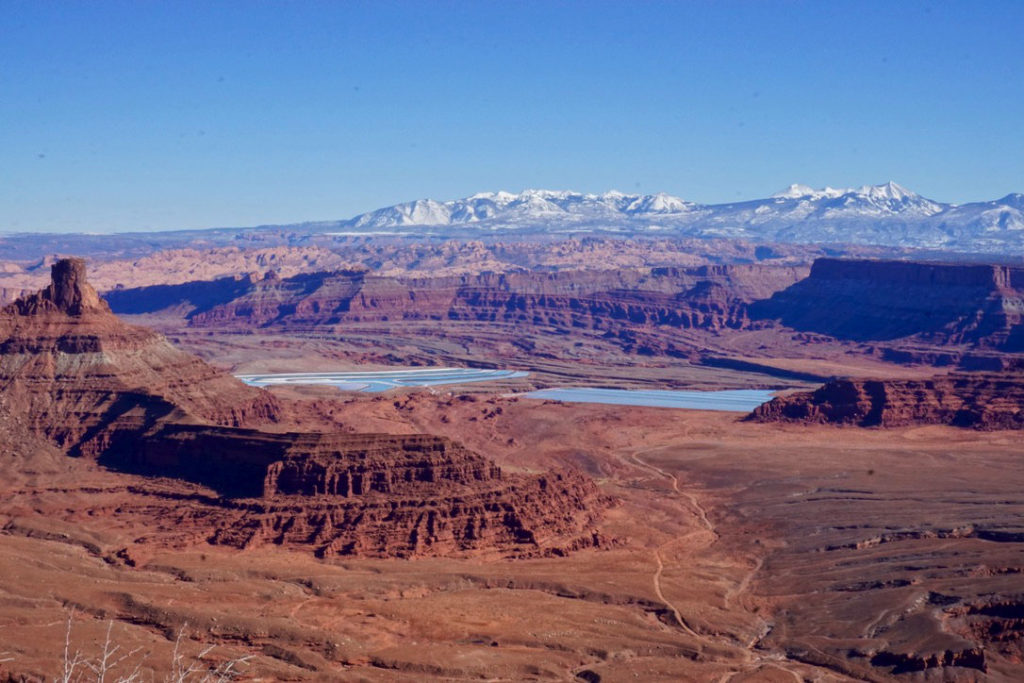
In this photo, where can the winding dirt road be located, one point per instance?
(751, 659)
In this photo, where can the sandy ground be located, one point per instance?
(739, 551)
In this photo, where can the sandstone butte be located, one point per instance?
(75, 375)
(942, 304)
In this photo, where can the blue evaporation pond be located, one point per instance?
(737, 400)
(382, 380)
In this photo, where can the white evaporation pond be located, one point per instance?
(382, 380)
(736, 400)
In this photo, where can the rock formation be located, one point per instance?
(974, 306)
(83, 379)
(704, 297)
(370, 494)
(94, 386)
(979, 401)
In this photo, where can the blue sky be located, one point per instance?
(166, 115)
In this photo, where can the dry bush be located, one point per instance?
(114, 664)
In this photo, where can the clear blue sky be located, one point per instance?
(162, 115)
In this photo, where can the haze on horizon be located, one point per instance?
(119, 116)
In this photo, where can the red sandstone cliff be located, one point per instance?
(706, 297)
(81, 377)
(975, 306)
(370, 494)
(980, 401)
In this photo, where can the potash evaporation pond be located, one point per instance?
(736, 400)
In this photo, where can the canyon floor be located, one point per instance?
(737, 551)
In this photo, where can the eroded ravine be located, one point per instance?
(750, 657)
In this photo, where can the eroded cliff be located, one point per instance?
(979, 401)
(82, 378)
(974, 306)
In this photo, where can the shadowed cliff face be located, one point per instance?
(975, 305)
(707, 297)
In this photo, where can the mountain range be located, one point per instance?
(885, 214)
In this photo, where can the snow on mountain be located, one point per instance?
(889, 198)
(660, 203)
(419, 212)
(528, 207)
(886, 214)
(797, 191)
(989, 219)
(890, 191)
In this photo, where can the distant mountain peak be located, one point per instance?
(526, 208)
(885, 214)
(889, 190)
(799, 191)
(794, 191)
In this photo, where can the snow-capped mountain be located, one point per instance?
(527, 207)
(886, 214)
(798, 191)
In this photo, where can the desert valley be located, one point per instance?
(865, 524)
(588, 342)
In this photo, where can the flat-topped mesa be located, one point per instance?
(978, 401)
(253, 463)
(966, 306)
(371, 494)
(918, 273)
(68, 292)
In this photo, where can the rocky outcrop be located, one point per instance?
(67, 293)
(903, 662)
(548, 514)
(974, 306)
(996, 620)
(369, 494)
(979, 401)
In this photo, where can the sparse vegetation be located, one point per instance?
(115, 664)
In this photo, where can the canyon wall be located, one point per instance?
(978, 400)
(979, 306)
(371, 494)
(704, 297)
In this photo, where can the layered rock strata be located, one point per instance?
(82, 378)
(976, 306)
(979, 401)
(705, 297)
(370, 494)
